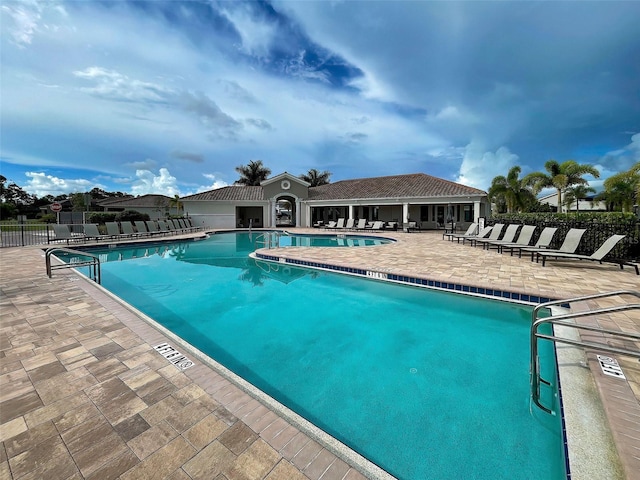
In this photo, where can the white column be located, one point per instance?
(298, 213)
(476, 211)
(405, 213)
(272, 220)
(351, 211)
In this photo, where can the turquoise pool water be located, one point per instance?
(339, 240)
(427, 385)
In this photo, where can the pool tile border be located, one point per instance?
(415, 281)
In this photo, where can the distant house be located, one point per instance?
(587, 204)
(156, 206)
(424, 199)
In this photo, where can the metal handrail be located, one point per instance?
(269, 240)
(536, 378)
(93, 262)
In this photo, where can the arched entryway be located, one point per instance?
(286, 211)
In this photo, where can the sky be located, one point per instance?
(169, 96)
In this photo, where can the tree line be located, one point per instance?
(14, 200)
(513, 194)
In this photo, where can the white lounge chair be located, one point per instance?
(470, 231)
(524, 237)
(494, 235)
(350, 224)
(362, 224)
(569, 245)
(545, 239)
(596, 256)
(481, 234)
(509, 235)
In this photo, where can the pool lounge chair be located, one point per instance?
(331, 225)
(481, 234)
(62, 232)
(509, 235)
(377, 225)
(113, 230)
(596, 256)
(91, 232)
(494, 235)
(569, 245)
(543, 242)
(127, 229)
(524, 237)
(362, 224)
(350, 224)
(470, 231)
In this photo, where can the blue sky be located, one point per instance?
(169, 97)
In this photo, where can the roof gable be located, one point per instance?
(284, 176)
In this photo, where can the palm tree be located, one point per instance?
(316, 178)
(511, 190)
(561, 176)
(253, 173)
(175, 202)
(622, 189)
(577, 193)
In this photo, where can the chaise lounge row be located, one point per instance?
(124, 230)
(362, 224)
(493, 237)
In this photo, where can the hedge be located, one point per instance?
(599, 226)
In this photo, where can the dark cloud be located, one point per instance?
(191, 157)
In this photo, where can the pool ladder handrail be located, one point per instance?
(536, 378)
(92, 261)
(269, 240)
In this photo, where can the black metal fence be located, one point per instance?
(596, 233)
(23, 234)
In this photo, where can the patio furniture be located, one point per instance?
(569, 245)
(596, 256)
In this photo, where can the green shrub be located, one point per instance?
(101, 217)
(132, 216)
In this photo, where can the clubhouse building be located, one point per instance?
(286, 200)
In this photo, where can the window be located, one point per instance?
(424, 213)
(468, 213)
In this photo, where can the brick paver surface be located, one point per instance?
(83, 394)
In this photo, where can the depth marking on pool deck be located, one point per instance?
(610, 367)
(174, 356)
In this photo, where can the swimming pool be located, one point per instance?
(425, 384)
(335, 240)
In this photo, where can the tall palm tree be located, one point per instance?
(512, 189)
(253, 173)
(561, 176)
(577, 193)
(316, 178)
(622, 189)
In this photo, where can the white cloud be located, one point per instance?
(215, 183)
(24, 21)
(113, 85)
(41, 184)
(257, 36)
(479, 167)
(147, 182)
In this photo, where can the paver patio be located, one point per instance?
(83, 394)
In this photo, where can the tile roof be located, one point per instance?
(231, 192)
(407, 186)
(149, 200)
(416, 185)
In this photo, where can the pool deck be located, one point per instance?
(83, 393)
